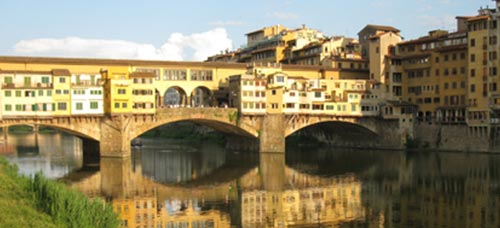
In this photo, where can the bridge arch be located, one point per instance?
(88, 131)
(175, 96)
(295, 125)
(221, 119)
(201, 96)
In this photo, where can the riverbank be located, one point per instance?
(40, 202)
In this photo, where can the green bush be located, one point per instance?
(68, 207)
(40, 202)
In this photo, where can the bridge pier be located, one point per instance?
(115, 140)
(272, 134)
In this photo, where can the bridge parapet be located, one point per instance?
(83, 126)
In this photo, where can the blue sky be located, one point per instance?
(191, 30)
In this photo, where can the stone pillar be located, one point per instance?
(115, 140)
(116, 176)
(272, 134)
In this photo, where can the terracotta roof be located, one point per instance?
(114, 62)
(61, 72)
(381, 27)
(142, 75)
(480, 17)
(297, 77)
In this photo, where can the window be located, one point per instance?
(18, 93)
(93, 105)
(493, 71)
(8, 93)
(273, 92)
(317, 94)
(280, 79)
(62, 80)
(201, 75)
(472, 72)
(8, 107)
(472, 42)
(8, 80)
(20, 107)
(61, 106)
(40, 92)
(27, 81)
(472, 57)
(79, 106)
(122, 91)
(124, 105)
(45, 79)
(49, 93)
(472, 88)
(117, 105)
(176, 74)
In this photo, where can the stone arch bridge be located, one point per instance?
(115, 133)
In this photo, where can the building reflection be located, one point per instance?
(396, 190)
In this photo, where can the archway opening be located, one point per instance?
(175, 97)
(193, 150)
(202, 97)
(334, 133)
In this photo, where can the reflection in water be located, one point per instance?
(54, 154)
(307, 188)
(171, 162)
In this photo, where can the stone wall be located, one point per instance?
(388, 135)
(450, 137)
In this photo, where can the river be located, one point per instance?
(171, 184)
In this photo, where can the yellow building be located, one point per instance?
(433, 72)
(118, 90)
(61, 92)
(143, 94)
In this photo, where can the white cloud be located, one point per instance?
(196, 47)
(225, 23)
(283, 15)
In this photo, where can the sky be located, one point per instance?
(193, 30)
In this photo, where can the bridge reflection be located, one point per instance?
(397, 189)
(270, 194)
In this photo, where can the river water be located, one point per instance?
(173, 184)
